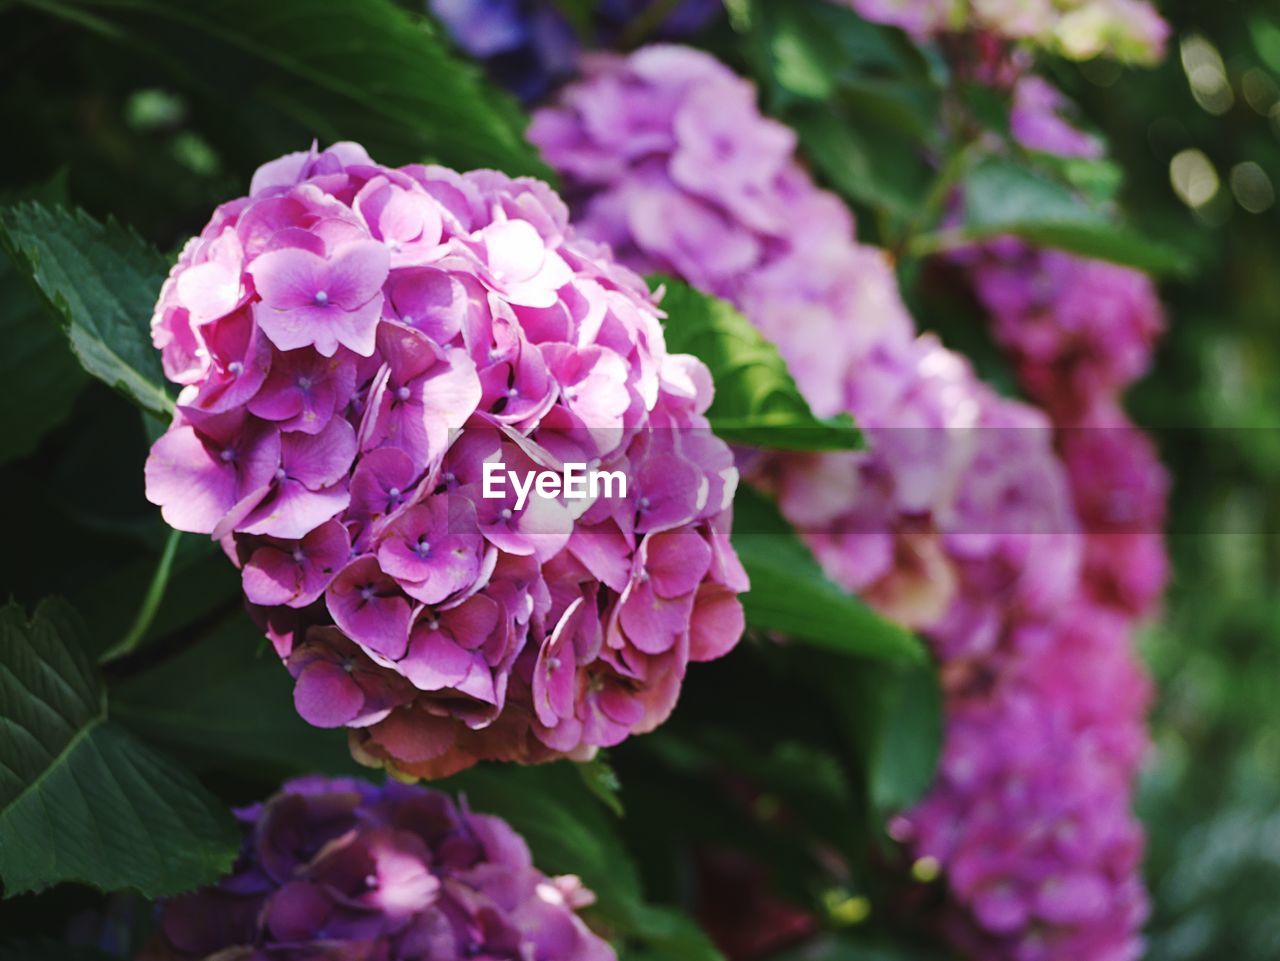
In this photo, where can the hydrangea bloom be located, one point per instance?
(340, 869)
(1079, 29)
(357, 343)
(1076, 329)
(1121, 491)
(1079, 332)
(958, 520)
(529, 46)
(667, 159)
(1030, 815)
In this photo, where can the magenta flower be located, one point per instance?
(307, 489)
(198, 475)
(357, 344)
(371, 608)
(1076, 329)
(295, 573)
(1039, 121)
(326, 302)
(433, 549)
(340, 869)
(1031, 813)
(1079, 332)
(338, 685)
(423, 394)
(1122, 492)
(304, 389)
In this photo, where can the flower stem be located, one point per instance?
(150, 603)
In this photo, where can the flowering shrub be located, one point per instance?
(958, 521)
(1079, 29)
(951, 528)
(336, 868)
(356, 342)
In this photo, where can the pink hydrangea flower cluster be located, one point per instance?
(1079, 332)
(958, 520)
(666, 158)
(338, 869)
(1079, 29)
(1030, 814)
(1076, 329)
(356, 344)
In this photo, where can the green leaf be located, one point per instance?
(891, 717)
(791, 595)
(907, 736)
(1003, 197)
(41, 378)
(602, 781)
(1096, 179)
(227, 702)
(80, 798)
(102, 281)
(756, 401)
(866, 162)
(806, 58)
(863, 101)
(369, 71)
(670, 935)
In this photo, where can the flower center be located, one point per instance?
(304, 383)
(402, 393)
(322, 298)
(423, 548)
(235, 367)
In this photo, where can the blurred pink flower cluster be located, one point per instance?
(1079, 29)
(356, 344)
(1079, 333)
(957, 521)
